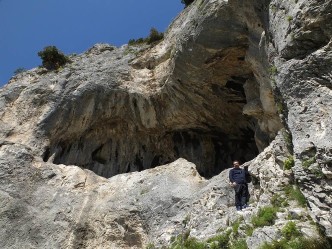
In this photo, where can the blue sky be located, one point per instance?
(73, 26)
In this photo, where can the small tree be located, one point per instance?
(154, 36)
(187, 2)
(52, 58)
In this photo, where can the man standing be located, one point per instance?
(237, 178)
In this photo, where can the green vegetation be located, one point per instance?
(290, 231)
(265, 216)
(236, 225)
(249, 230)
(280, 108)
(306, 163)
(186, 220)
(239, 244)
(184, 241)
(52, 58)
(289, 18)
(187, 2)
(289, 163)
(136, 42)
(273, 70)
(298, 243)
(153, 37)
(294, 193)
(278, 201)
(19, 70)
(317, 172)
(150, 246)
(220, 241)
(315, 169)
(288, 139)
(273, 8)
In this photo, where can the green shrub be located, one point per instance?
(306, 163)
(289, 18)
(278, 201)
(137, 41)
(52, 58)
(220, 241)
(154, 36)
(294, 193)
(187, 2)
(290, 230)
(289, 163)
(265, 216)
(236, 225)
(184, 241)
(249, 230)
(273, 70)
(150, 246)
(298, 243)
(239, 244)
(19, 70)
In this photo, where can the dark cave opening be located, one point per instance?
(210, 150)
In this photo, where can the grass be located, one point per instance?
(307, 163)
(186, 220)
(220, 240)
(273, 70)
(288, 139)
(318, 172)
(265, 216)
(236, 225)
(184, 241)
(294, 193)
(280, 108)
(289, 163)
(278, 201)
(150, 246)
(239, 244)
(249, 230)
(289, 18)
(290, 231)
(298, 243)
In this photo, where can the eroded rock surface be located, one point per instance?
(228, 76)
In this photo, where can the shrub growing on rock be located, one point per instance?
(265, 216)
(290, 230)
(294, 193)
(52, 58)
(19, 70)
(289, 163)
(187, 2)
(154, 36)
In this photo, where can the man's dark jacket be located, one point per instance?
(238, 175)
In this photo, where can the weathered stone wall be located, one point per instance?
(226, 78)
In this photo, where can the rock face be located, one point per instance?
(228, 76)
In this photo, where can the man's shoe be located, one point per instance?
(245, 206)
(238, 208)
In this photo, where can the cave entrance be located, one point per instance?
(219, 134)
(210, 150)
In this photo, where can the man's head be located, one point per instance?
(236, 164)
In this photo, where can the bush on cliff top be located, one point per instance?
(187, 2)
(52, 58)
(153, 37)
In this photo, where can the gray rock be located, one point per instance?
(224, 82)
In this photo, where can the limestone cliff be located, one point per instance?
(227, 78)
